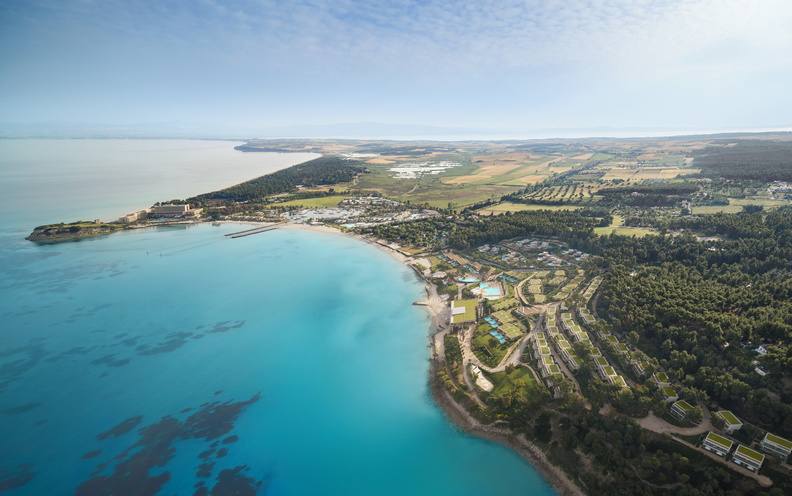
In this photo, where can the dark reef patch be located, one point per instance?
(229, 440)
(119, 363)
(91, 454)
(121, 429)
(234, 482)
(16, 410)
(16, 478)
(224, 327)
(157, 445)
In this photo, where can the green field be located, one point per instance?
(521, 207)
(321, 202)
(506, 382)
(470, 311)
(624, 231)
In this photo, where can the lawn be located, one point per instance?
(470, 310)
(506, 382)
(624, 231)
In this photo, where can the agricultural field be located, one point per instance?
(522, 207)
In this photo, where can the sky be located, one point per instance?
(478, 64)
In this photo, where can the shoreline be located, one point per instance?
(453, 411)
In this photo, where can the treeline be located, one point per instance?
(649, 195)
(758, 160)
(320, 171)
(466, 233)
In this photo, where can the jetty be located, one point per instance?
(255, 230)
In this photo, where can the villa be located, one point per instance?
(669, 394)
(680, 409)
(661, 379)
(748, 458)
(717, 444)
(733, 424)
(776, 445)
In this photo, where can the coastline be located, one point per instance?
(452, 410)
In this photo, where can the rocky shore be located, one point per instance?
(58, 233)
(460, 417)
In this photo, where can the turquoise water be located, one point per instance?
(179, 361)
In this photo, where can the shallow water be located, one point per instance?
(177, 360)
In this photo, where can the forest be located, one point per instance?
(320, 171)
(758, 160)
(464, 233)
(701, 307)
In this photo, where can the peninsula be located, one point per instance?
(617, 311)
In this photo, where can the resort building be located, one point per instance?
(776, 445)
(619, 381)
(733, 424)
(621, 348)
(717, 444)
(748, 458)
(600, 362)
(680, 409)
(640, 367)
(170, 210)
(134, 216)
(669, 394)
(661, 379)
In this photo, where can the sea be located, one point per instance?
(178, 361)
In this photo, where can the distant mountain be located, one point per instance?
(352, 130)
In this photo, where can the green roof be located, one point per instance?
(609, 370)
(601, 361)
(661, 377)
(547, 360)
(554, 369)
(619, 381)
(779, 441)
(729, 417)
(669, 391)
(720, 440)
(577, 361)
(749, 453)
(684, 405)
(470, 311)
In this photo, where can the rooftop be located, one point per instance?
(779, 440)
(719, 440)
(749, 453)
(729, 417)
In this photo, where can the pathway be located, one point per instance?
(653, 423)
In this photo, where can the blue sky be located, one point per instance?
(501, 64)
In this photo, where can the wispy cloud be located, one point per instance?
(451, 51)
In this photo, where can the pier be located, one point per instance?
(255, 230)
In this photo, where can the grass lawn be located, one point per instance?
(470, 310)
(714, 209)
(540, 298)
(322, 202)
(624, 231)
(506, 382)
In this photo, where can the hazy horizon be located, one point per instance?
(507, 68)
